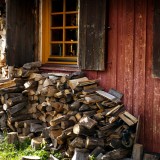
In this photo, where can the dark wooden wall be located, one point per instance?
(20, 31)
(129, 65)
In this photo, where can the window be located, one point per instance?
(73, 32)
(62, 26)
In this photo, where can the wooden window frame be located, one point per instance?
(46, 33)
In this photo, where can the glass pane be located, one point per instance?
(71, 34)
(56, 49)
(57, 21)
(71, 5)
(57, 6)
(71, 19)
(71, 49)
(57, 35)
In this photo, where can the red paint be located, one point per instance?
(129, 65)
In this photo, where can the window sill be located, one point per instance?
(64, 68)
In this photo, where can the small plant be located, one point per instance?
(57, 154)
(17, 150)
(92, 157)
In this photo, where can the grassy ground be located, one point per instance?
(16, 151)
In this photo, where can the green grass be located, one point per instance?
(16, 151)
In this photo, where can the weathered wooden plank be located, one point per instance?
(139, 62)
(92, 35)
(149, 109)
(20, 29)
(156, 40)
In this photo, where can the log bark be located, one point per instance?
(80, 154)
(16, 108)
(80, 130)
(78, 142)
(36, 142)
(15, 100)
(20, 118)
(36, 128)
(12, 89)
(32, 65)
(67, 124)
(12, 137)
(92, 143)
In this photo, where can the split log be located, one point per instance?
(36, 128)
(80, 154)
(11, 126)
(137, 152)
(74, 83)
(48, 91)
(97, 151)
(10, 72)
(20, 118)
(3, 121)
(80, 130)
(11, 83)
(87, 122)
(47, 82)
(12, 89)
(18, 72)
(36, 143)
(16, 108)
(58, 120)
(93, 99)
(55, 133)
(92, 143)
(35, 77)
(11, 95)
(67, 124)
(22, 138)
(25, 131)
(15, 100)
(30, 84)
(32, 65)
(89, 113)
(30, 158)
(12, 137)
(116, 154)
(28, 122)
(78, 142)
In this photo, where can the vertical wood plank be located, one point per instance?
(156, 39)
(93, 31)
(120, 46)
(128, 53)
(139, 62)
(156, 116)
(108, 78)
(148, 112)
(20, 32)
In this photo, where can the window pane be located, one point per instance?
(57, 21)
(57, 35)
(71, 34)
(71, 5)
(56, 49)
(57, 6)
(71, 19)
(71, 49)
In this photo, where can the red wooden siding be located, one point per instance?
(129, 65)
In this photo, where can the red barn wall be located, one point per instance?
(129, 65)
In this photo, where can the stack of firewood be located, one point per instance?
(69, 112)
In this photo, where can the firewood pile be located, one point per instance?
(68, 112)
